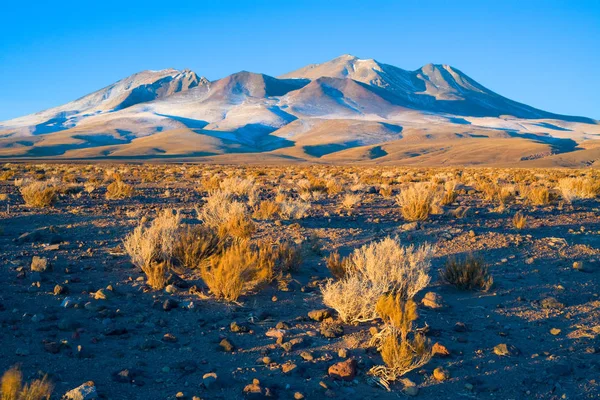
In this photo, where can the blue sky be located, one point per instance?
(543, 53)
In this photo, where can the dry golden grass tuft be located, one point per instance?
(227, 216)
(401, 356)
(573, 189)
(536, 195)
(39, 194)
(266, 209)
(417, 201)
(397, 313)
(468, 273)
(12, 387)
(195, 244)
(119, 190)
(519, 221)
(337, 265)
(351, 200)
(151, 247)
(237, 270)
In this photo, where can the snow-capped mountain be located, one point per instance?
(346, 109)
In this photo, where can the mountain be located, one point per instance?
(344, 110)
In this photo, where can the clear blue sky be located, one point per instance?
(543, 53)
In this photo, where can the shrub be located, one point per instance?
(449, 196)
(237, 186)
(294, 209)
(266, 209)
(373, 270)
(417, 201)
(237, 270)
(401, 356)
(398, 313)
(350, 200)
(39, 194)
(337, 265)
(519, 221)
(119, 190)
(12, 388)
(467, 274)
(578, 188)
(228, 217)
(386, 191)
(537, 195)
(151, 248)
(195, 244)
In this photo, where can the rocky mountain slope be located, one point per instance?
(344, 110)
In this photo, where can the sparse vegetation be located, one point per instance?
(467, 273)
(39, 194)
(12, 387)
(417, 201)
(119, 190)
(519, 221)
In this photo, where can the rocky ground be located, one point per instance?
(74, 307)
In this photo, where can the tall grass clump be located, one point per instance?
(12, 387)
(467, 273)
(39, 194)
(151, 247)
(417, 201)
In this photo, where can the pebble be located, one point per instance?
(441, 374)
(87, 391)
(170, 304)
(433, 300)
(226, 346)
(319, 315)
(344, 370)
(39, 264)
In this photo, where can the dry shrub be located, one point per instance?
(501, 194)
(195, 244)
(449, 195)
(398, 313)
(294, 209)
(519, 221)
(39, 194)
(350, 200)
(237, 186)
(417, 201)
(373, 270)
(288, 257)
(467, 274)
(237, 270)
(227, 216)
(401, 356)
(119, 190)
(337, 265)
(267, 209)
(210, 184)
(334, 187)
(12, 388)
(578, 188)
(151, 247)
(386, 191)
(537, 195)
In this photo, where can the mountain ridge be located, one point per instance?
(257, 113)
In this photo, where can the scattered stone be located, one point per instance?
(59, 289)
(307, 356)
(433, 300)
(275, 333)
(87, 391)
(441, 374)
(226, 346)
(39, 264)
(101, 295)
(256, 391)
(504, 350)
(555, 331)
(169, 338)
(171, 289)
(460, 327)
(282, 325)
(439, 350)
(410, 388)
(298, 396)
(331, 330)
(319, 315)
(170, 304)
(342, 353)
(209, 380)
(578, 265)
(551, 303)
(288, 367)
(344, 370)
(68, 302)
(236, 328)
(409, 226)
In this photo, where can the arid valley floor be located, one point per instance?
(242, 258)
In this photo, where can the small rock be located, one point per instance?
(319, 315)
(170, 304)
(171, 289)
(551, 303)
(236, 328)
(209, 380)
(555, 331)
(39, 264)
(344, 370)
(409, 226)
(59, 289)
(433, 300)
(87, 391)
(504, 350)
(342, 353)
(68, 302)
(101, 295)
(226, 346)
(439, 350)
(307, 356)
(331, 330)
(441, 374)
(288, 367)
(275, 333)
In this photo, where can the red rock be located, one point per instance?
(344, 370)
